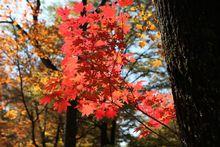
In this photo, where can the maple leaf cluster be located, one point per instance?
(158, 108)
(94, 52)
(93, 49)
(157, 105)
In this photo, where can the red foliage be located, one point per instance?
(93, 59)
(94, 56)
(124, 3)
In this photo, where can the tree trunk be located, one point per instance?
(113, 132)
(33, 137)
(106, 138)
(59, 125)
(71, 125)
(189, 34)
(104, 134)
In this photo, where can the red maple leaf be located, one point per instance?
(108, 11)
(110, 113)
(87, 109)
(45, 100)
(89, 7)
(100, 43)
(99, 114)
(63, 13)
(78, 7)
(61, 105)
(124, 3)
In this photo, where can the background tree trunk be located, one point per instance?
(113, 132)
(104, 141)
(191, 41)
(59, 126)
(71, 125)
(108, 135)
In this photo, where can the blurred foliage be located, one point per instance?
(25, 40)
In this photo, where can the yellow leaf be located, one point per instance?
(15, 23)
(12, 114)
(149, 14)
(144, 28)
(133, 9)
(36, 88)
(143, 36)
(142, 44)
(152, 37)
(156, 63)
(23, 112)
(158, 35)
(139, 26)
(152, 27)
(159, 45)
(138, 35)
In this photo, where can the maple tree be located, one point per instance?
(95, 53)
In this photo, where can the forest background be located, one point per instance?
(31, 57)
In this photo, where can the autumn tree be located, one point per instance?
(95, 53)
(24, 40)
(191, 44)
(95, 81)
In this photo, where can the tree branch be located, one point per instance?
(47, 62)
(30, 116)
(10, 22)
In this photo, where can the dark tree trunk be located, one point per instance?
(104, 134)
(43, 141)
(105, 137)
(113, 132)
(190, 36)
(33, 133)
(59, 125)
(71, 125)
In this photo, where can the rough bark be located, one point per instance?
(71, 125)
(191, 42)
